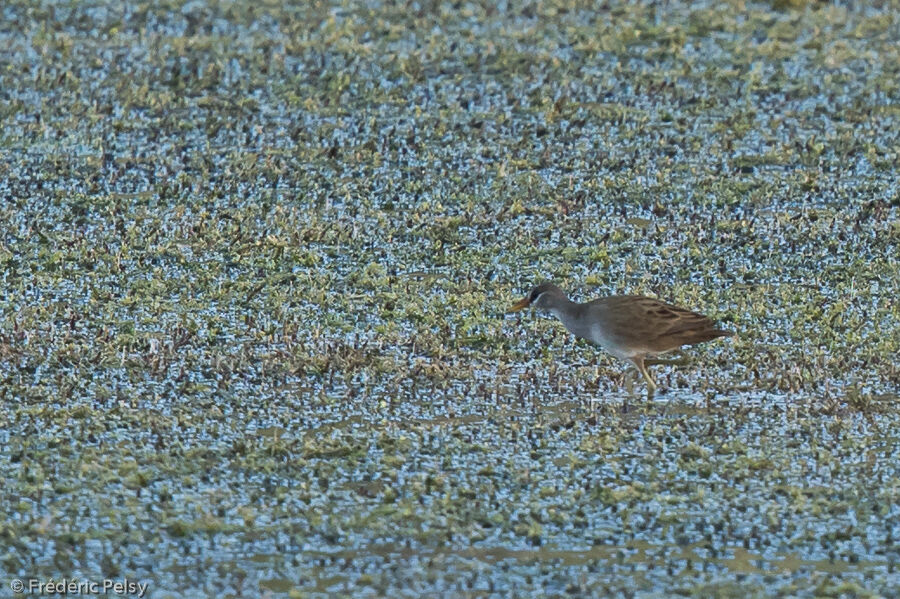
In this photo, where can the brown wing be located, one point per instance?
(655, 325)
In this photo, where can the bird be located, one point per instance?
(630, 327)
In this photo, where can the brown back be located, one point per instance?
(657, 325)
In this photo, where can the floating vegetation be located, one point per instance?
(255, 259)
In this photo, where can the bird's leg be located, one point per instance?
(629, 381)
(639, 362)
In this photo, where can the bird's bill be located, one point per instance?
(520, 305)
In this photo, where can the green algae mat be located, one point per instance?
(255, 259)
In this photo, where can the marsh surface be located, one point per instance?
(255, 259)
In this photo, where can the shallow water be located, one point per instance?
(257, 258)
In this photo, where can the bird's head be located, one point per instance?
(539, 297)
